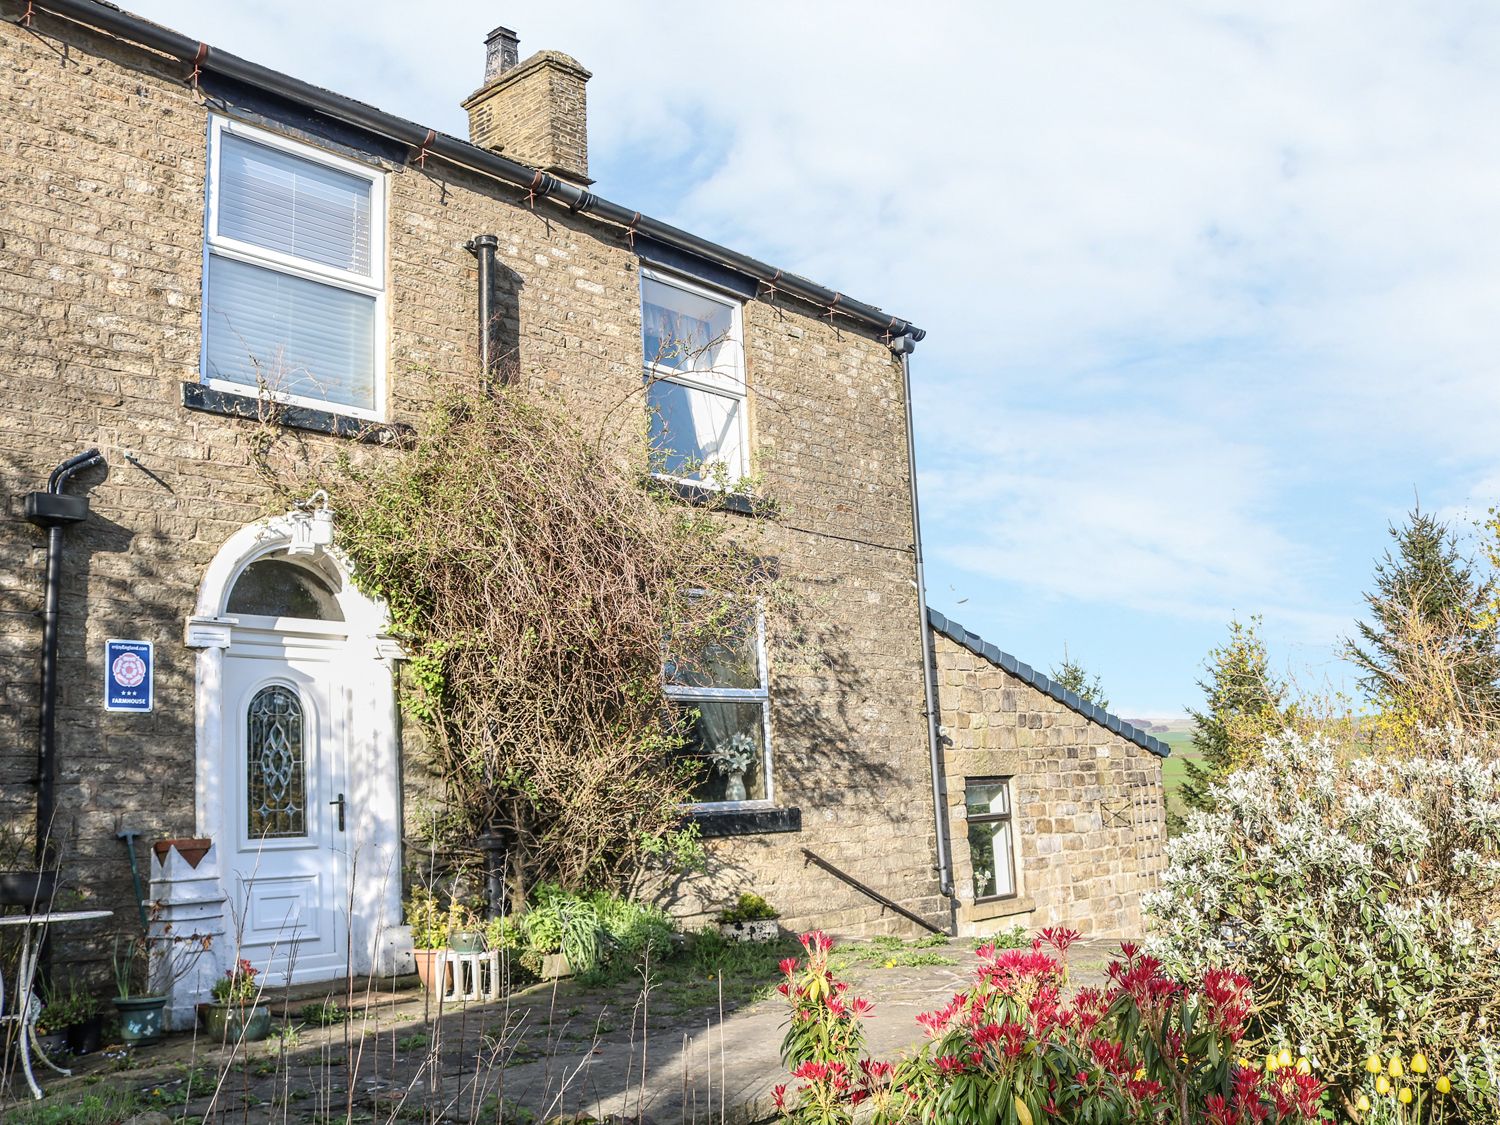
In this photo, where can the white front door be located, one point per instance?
(286, 801)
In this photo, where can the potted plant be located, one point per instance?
(141, 994)
(465, 935)
(75, 1013)
(429, 931)
(751, 919)
(236, 1013)
(139, 1009)
(733, 758)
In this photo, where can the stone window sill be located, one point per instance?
(705, 496)
(209, 400)
(714, 823)
(999, 908)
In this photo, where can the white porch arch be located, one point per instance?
(356, 658)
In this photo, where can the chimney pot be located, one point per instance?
(502, 51)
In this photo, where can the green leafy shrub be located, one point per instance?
(749, 908)
(532, 577)
(591, 930)
(1362, 895)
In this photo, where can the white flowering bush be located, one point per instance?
(1361, 897)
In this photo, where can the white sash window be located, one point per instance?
(691, 341)
(293, 273)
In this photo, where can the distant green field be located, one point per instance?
(1174, 769)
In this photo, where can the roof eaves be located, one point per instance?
(981, 647)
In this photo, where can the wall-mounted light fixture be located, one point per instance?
(312, 525)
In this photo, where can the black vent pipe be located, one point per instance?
(54, 511)
(195, 57)
(483, 248)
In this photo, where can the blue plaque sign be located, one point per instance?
(129, 668)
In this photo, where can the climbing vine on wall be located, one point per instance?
(533, 577)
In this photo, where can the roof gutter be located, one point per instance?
(199, 57)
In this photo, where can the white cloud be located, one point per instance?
(1214, 283)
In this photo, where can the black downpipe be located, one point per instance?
(54, 511)
(195, 56)
(903, 349)
(483, 248)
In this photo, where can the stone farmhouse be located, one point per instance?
(181, 659)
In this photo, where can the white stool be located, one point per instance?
(468, 976)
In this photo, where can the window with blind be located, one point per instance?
(294, 276)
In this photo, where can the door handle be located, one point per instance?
(340, 803)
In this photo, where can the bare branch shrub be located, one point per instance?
(534, 578)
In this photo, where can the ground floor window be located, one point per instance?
(723, 696)
(991, 837)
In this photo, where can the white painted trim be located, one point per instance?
(373, 284)
(365, 654)
(733, 384)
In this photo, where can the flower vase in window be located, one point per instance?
(732, 757)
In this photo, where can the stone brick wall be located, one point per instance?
(1089, 820)
(101, 255)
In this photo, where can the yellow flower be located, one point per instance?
(1404, 1096)
(1283, 1057)
(1395, 1070)
(1372, 1064)
(1139, 1074)
(1442, 1084)
(1270, 1063)
(1244, 1062)
(1382, 1085)
(1362, 1103)
(1419, 1063)
(1303, 1066)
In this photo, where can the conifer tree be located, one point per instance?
(1430, 651)
(1243, 703)
(1075, 677)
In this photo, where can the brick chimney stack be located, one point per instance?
(535, 112)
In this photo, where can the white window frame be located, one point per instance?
(215, 244)
(684, 694)
(1009, 817)
(730, 385)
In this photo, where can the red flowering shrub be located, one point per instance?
(1011, 1050)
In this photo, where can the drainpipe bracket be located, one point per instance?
(51, 509)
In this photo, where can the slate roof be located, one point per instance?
(981, 647)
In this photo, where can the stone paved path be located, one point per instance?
(665, 1055)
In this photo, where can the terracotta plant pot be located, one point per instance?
(190, 848)
(234, 1023)
(426, 960)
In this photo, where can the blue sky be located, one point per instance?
(1211, 288)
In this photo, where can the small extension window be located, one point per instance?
(991, 837)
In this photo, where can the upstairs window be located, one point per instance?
(692, 349)
(724, 695)
(293, 272)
